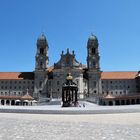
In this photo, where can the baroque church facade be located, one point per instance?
(105, 88)
(49, 80)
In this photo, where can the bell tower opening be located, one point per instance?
(42, 51)
(93, 51)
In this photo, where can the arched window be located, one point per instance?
(41, 50)
(93, 51)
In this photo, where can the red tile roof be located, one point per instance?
(108, 97)
(10, 97)
(16, 75)
(30, 75)
(118, 75)
(27, 97)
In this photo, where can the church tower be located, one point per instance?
(93, 53)
(42, 53)
(94, 73)
(42, 60)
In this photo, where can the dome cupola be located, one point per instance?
(42, 39)
(92, 38)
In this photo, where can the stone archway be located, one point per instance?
(133, 101)
(104, 103)
(128, 102)
(2, 102)
(122, 102)
(7, 102)
(25, 103)
(117, 102)
(110, 103)
(138, 101)
(13, 102)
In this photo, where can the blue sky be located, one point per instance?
(68, 24)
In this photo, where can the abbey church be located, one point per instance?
(104, 88)
(56, 75)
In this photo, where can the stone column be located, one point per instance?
(106, 102)
(113, 102)
(4, 102)
(119, 102)
(130, 101)
(10, 102)
(135, 101)
(124, 102)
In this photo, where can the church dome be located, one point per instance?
(92, 38)
(42, 38)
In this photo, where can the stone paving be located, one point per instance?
(57, 109)
(69, 127)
